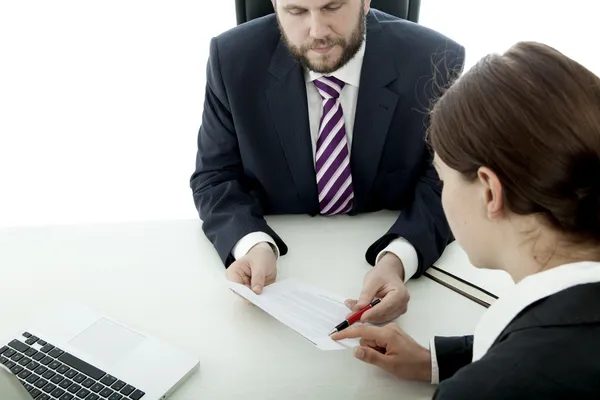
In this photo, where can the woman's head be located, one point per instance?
(517, 143)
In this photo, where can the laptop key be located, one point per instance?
(31, 352)
(16, 369)
(9, 364)
(97, 387)
(3, 360)
(49, 388)
(17, 357)
(80, 378)
(46, 360)
(108, 380)
(27, 334)
(106, 392)
(82, 366)
(3, 349)
(66, 396)
(62, 369)
(24, 374)
(40, 383)
(57, 392)
(74, 388)
(82, 393)
(71, 374)
(57, 379)
(20, 346)
(127, 390)
(40, 370)
(32, 365)
(32, 378)
(48, 374)
(35, 392)
(32, 340)
(9, 353)
(115, 396)
(54, 364)
(88, 383)
(92, 396)
(118, 385)
(24, 361)
(56, 352)
(66, 383)
(46, 348)
(137, 395)
(42, 342)
(39, 356)
(44, 397)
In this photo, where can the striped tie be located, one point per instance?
(334, 181)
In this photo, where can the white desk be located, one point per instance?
(166, 279)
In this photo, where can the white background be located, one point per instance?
(101, 101)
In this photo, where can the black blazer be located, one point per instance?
(254, 146)
(551, 350)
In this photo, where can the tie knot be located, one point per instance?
(329, 87)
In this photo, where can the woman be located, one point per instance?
(517, 145)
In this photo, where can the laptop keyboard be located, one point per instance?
(47, 373)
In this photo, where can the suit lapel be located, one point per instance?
(286, 96)
(374, 111)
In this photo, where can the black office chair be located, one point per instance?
(247, 10)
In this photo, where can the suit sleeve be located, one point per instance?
(452, 353)
(228, 210)
(423, 222)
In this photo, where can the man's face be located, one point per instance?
(322, 34)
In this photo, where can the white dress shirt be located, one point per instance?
(529, 290)
(350, 74)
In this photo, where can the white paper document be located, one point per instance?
(307, 310)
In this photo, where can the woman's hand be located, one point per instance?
(392, 349)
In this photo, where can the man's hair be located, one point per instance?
(532, 115)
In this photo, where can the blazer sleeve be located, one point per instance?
(228, 210)
(452, 354)
(423, 222)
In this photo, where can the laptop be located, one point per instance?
(70, 352)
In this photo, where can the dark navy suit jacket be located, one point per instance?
(254, 145)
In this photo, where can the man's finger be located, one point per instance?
(383, 311)
(371, 356)
(372, 344)
(367, 295)
(257, 279)
(350, 303)
(234, 275)
(367, 332)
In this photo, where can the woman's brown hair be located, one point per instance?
(532, 115)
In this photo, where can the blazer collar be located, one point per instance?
(530, 290)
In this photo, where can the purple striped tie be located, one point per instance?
(334, 181)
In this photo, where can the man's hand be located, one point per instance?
(256, 269)
(385, 281)
(392, 349)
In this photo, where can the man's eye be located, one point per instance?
(333, 8)
(297, 12)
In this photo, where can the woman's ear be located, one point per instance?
(492, 192)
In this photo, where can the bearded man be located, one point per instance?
(321, 108)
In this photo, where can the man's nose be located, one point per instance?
(319, 26)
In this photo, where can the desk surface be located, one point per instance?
(158, 277)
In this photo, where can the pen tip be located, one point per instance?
(332, 332)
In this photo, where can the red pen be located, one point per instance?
(354, 318)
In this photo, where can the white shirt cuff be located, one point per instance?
(435, 370)
(406, 252)
(243, 246)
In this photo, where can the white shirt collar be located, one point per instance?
(526, 292)
(349, 73)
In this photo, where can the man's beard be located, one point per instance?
(349, 48)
